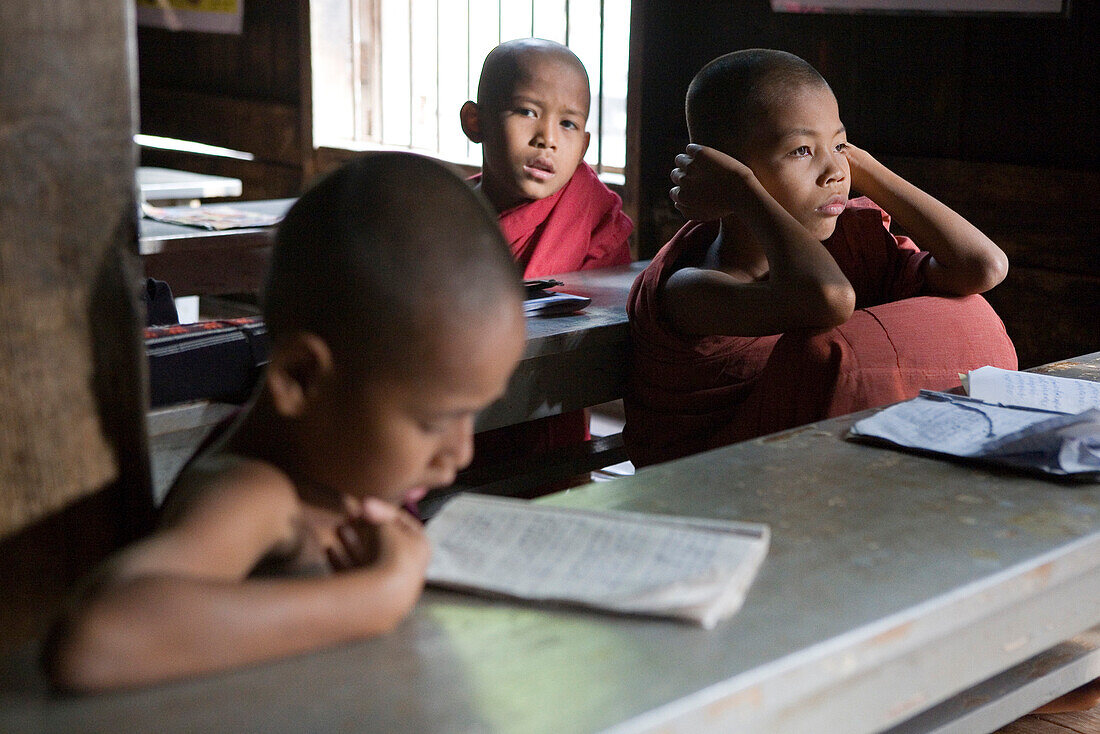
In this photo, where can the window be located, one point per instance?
(394, 73)
(921, 6)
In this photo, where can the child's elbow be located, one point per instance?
(87, 651)
(836, 303)
(993, 271)
(70, 661)
(969, 277)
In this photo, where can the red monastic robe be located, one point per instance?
(581, 226)
(690, 394)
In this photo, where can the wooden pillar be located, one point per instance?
(74, 469)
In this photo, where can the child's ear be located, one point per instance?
(299, 366)
(470, 118)
(587, 140)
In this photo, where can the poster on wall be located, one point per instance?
(920, 6)
(204, 16)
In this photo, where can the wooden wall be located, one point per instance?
(992, 114)
(244, 92)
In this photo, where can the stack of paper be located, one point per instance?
(1023, 419)
(210, 217)
(545, 303)
(688, 568)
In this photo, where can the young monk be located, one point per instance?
(532, 107)
(782, 301)
(286, 535)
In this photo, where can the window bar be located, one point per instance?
(412, 75)
(567, 22)
(599, 121)
(376, 23)
(532, 18)
(359, 122)
(469, 145)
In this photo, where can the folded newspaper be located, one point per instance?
(694, 569)
(1021, 419)
(214, 218)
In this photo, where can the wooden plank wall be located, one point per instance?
(242, 92)
(74, 469)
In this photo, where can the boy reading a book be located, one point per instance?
(782, 301)
(395, 315)
(530, 115)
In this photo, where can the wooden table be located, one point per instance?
(901, 593)
(574, 361)
(1086, 367)
(569, 362)
(200, 262)
(160, 184)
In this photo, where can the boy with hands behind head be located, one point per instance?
(286, 535)
(783, 302)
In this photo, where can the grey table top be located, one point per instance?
(894, 581)
(573, 361)
(156, 237)
(167, 183)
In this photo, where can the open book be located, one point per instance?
(689, 568)
(1023, 419)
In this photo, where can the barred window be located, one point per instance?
(394, 73)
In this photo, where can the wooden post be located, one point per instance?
(74, 468)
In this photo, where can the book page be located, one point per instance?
(1061, 444)
(947, 424)
(1032, 390)
(1055, 443)
(629, 562)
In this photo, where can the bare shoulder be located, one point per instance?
(222, 516)
(221, 478)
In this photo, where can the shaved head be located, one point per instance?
(732, 94)
(386, 251)
(511, 63)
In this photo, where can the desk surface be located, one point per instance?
(195, 261)
(573, 361)
(894, 581)
(168, 183)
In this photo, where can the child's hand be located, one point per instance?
(709, 183)
(860, 162)
(379, 533)
(359, 545)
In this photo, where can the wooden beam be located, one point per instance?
(74, 469)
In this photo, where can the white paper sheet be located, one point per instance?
(1032, 390)
(1056, 443)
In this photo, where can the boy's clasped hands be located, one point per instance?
(377, 533)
